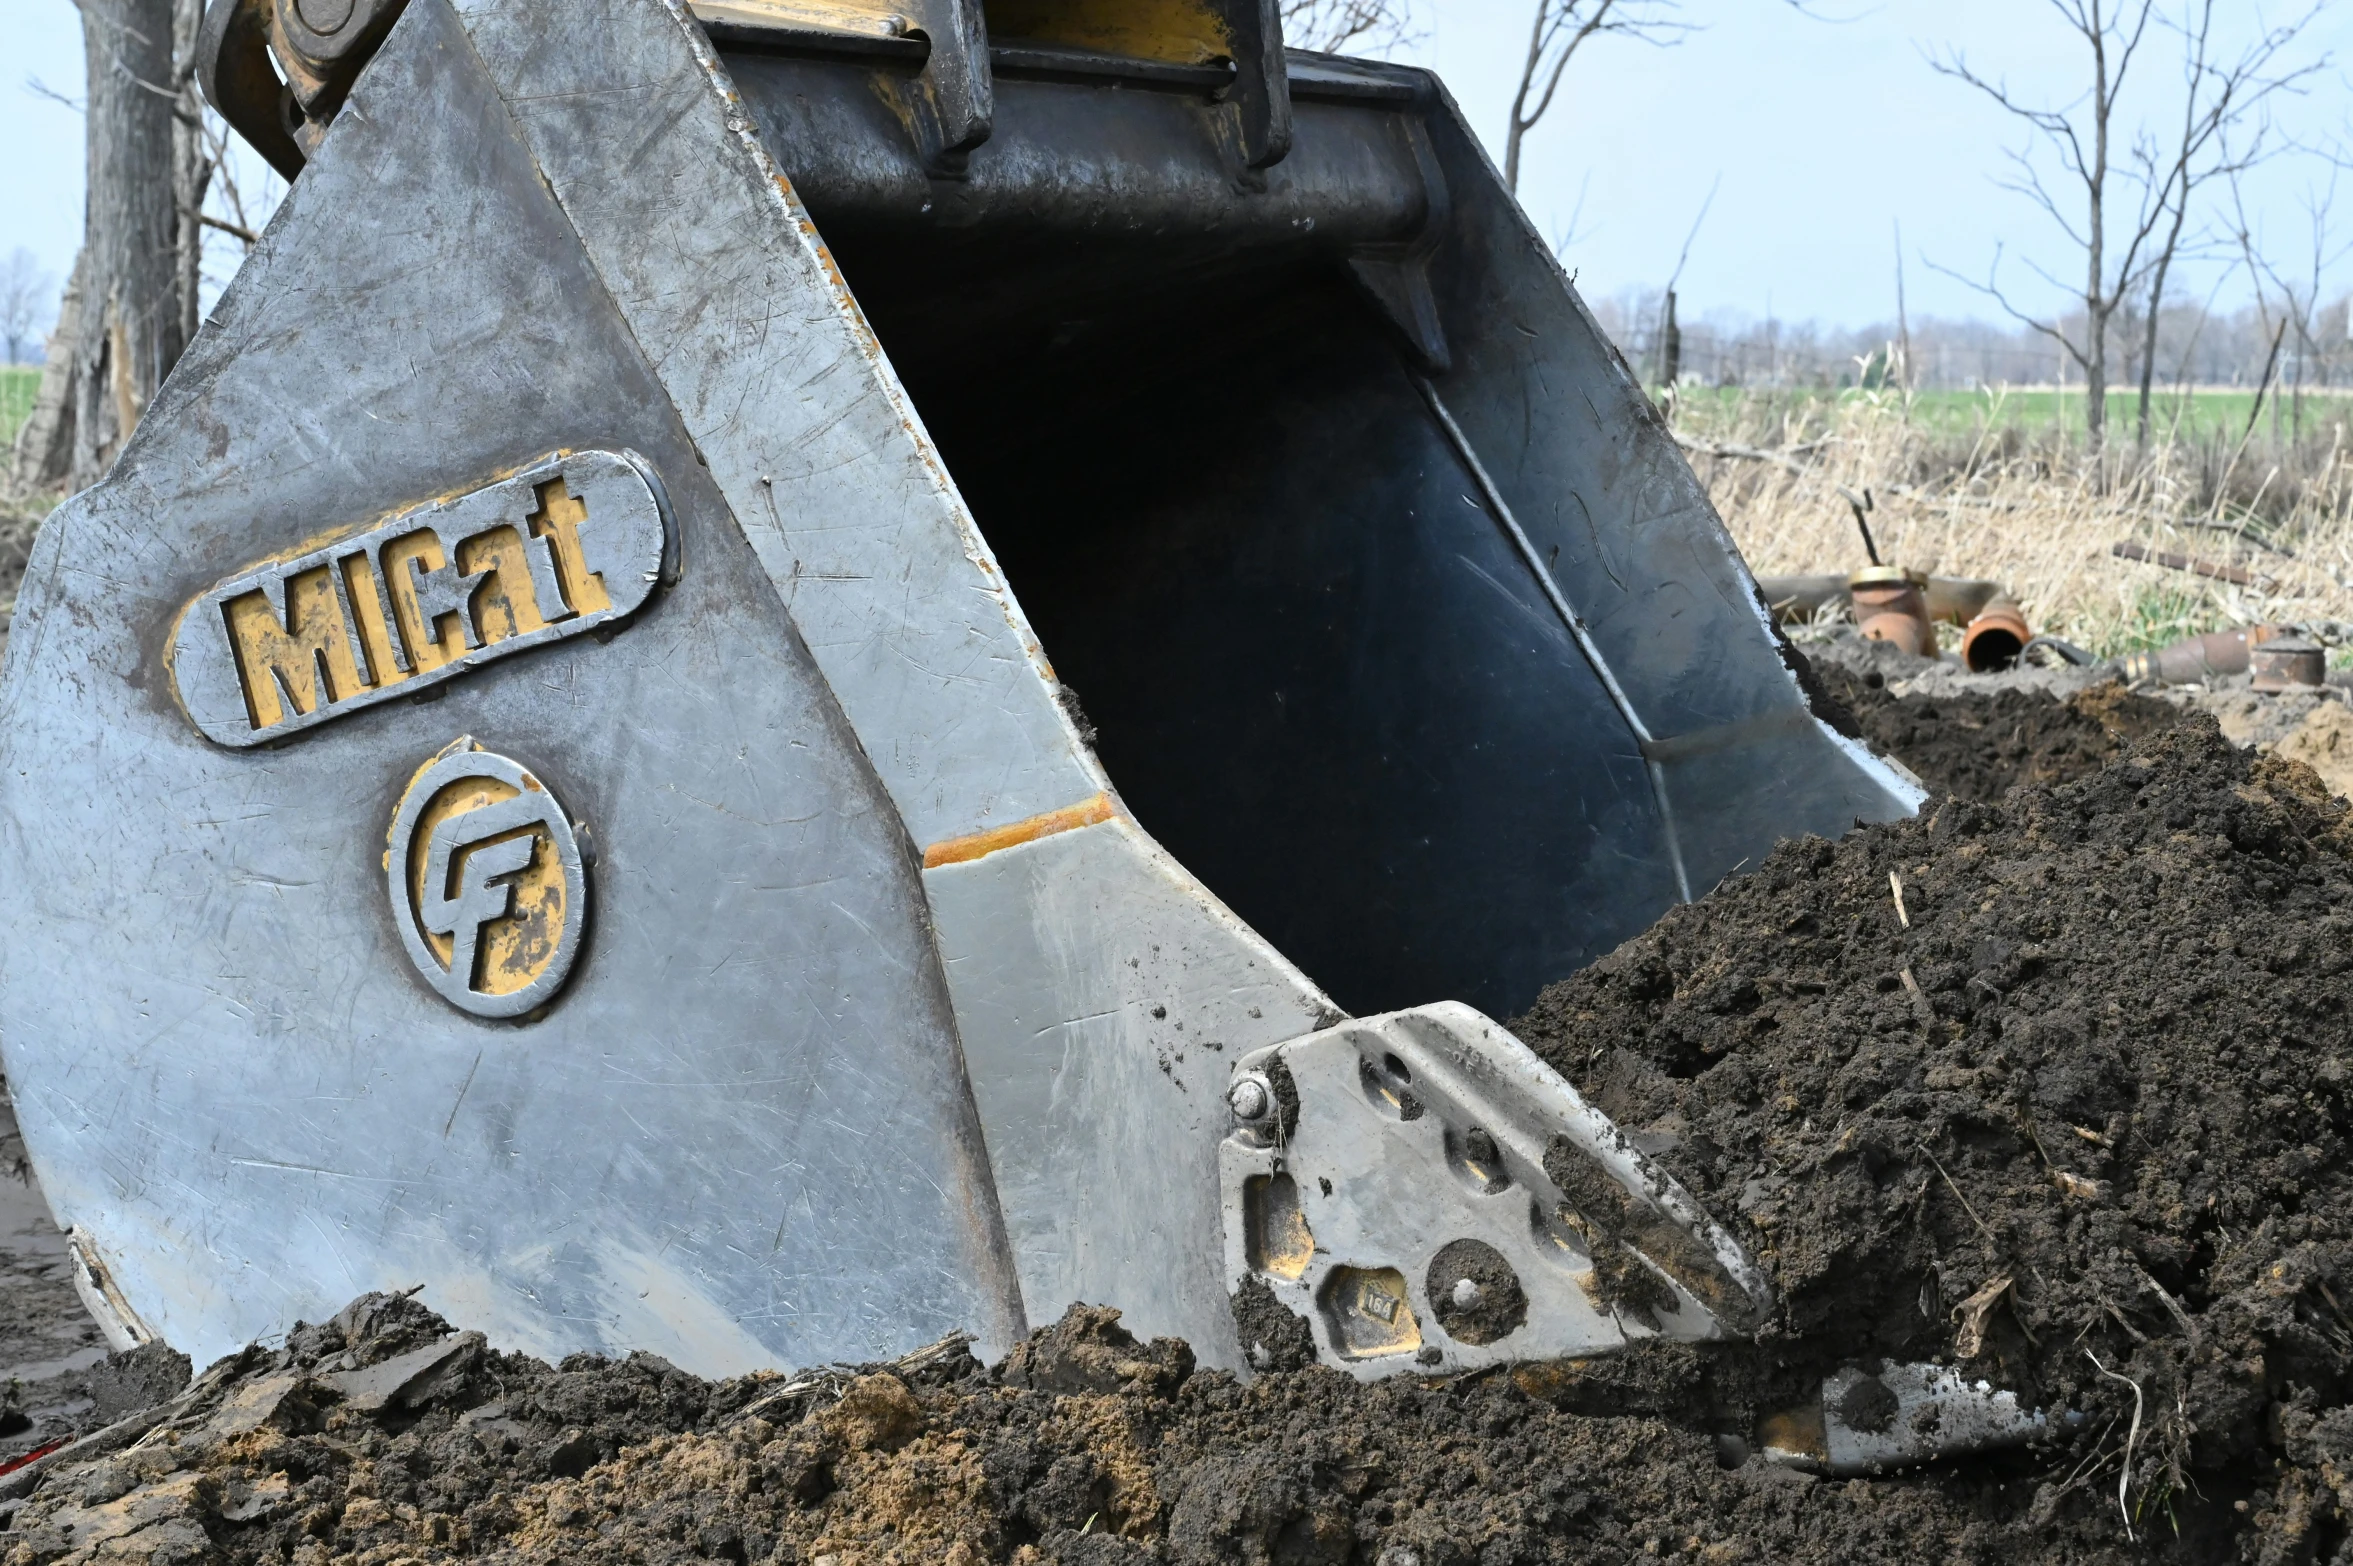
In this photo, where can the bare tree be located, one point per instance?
(2216, 99)
(133, 302)
(196, 152)
(45, 441)
(2128, 195)
(1348, 26)
(131, 326)
(1560, 29)
(2082, 134)
(2300, 303)
(24, 294)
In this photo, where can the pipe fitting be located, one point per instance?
(2287, 663)
(1890, 607)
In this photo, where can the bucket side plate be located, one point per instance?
(740, 1136)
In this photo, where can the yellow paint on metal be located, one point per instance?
(289, 667)
(1370, 1313)
(558, 520)
(444, 640)
(499, 610)
(513, 950)
(284, 665)
(1182, 32)
(1275, 1231)
(963, 850)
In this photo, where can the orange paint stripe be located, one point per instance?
(963, 850)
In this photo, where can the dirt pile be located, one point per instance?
(383, 1437)
(1980, 744)
(2059, 1087)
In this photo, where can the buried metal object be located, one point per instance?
(1896, 1417)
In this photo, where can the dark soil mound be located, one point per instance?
(2090, 1107)
(1084, 1447)
(1979, 746)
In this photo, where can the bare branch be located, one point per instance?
(234, 230)
(41, 89)
(1992, 290)
(2124, 216)
(1349, 26)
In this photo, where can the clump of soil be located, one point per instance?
(2071, 1107)
(383, 1437)
(1978, 745)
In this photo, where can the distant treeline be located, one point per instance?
(2195, 347)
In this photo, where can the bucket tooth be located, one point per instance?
(1414, 1267)
(1893, 1416)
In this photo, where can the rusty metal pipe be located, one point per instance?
(2196, 659)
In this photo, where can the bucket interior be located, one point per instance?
(1317, 668)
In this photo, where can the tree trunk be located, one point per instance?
(2149, 342)
(1670, 348)
(45, 445)
(191, 165)
(132, 324)
(2095, 389)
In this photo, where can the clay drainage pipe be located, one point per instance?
(1995, 638)
(1889, 607)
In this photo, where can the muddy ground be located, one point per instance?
(1979, 743)
(2074, 1115)
(1978, 737)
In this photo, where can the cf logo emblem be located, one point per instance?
(486, 885)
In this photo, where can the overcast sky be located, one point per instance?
(1825, 135)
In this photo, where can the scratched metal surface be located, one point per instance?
(1380, 1188)
(717, 270)
(742, 1135)
(1103, 996)
(1107, 1175)
(1596, 480)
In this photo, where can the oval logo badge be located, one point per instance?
(576, 542)
(484, 871)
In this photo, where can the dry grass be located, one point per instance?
(2035, 512)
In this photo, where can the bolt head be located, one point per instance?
(325, 17)
(1249, 1099)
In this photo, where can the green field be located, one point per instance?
(18, 382)
(2189, 417)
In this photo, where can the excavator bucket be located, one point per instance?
(787, 675)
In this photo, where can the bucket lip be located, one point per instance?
(1886, 576)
